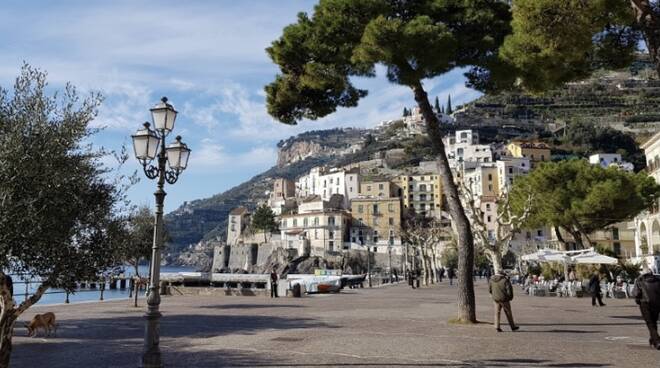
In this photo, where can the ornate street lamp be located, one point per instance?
(149, 144)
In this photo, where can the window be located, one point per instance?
(511, 170)
(422, 188)
(539, 233)
(375, 207)
(422, 197)
(381, 186)
(331, 180)
(615, 234)
(316, 221)
(391, 221)
(431, 187)
(350, 189)
(368, 188)
(305, 222)
(422, 206)
(410, 187)
(331, 245)
(617, 248)
(390, 207)
(295, 222)
(411, 197)
(331, 234)
(488, 206)
(353, 239)
(325, 184)
(316, 234)
(375, 238)
(290, 243)
(360, 208)
(490, 177)
(233, 227)
(331, 221)
(490, 187)
(543, 158)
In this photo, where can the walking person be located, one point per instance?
(273, 284)
(418, 276)
(501, 291)
(450, 275)
(594, 289)
(647, 296)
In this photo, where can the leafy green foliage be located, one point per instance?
(138, 236)
(556, 41)
(414, 40)
(581, 198)
(583, 138)
(264, 219)
(58, 198)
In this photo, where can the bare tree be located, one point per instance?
(495, 243)
(425, 236)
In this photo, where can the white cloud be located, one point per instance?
(212, 156)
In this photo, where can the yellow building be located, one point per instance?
(379, 187)
(535, 151)
(422, 193)
(376, 222)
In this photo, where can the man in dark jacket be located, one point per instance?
(450, 275)
(647, 296)
(273, 284)
(594, 289)
(499, 287)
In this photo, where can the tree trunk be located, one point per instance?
(466, 302)
(649, 22)
(7, 320)
(6, 330)
(425, 267)
(496, 259)
(434, 264)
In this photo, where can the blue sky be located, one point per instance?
(207, 57)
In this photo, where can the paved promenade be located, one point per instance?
(381, 327)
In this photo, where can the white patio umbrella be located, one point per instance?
(593, 258)
(546, 255)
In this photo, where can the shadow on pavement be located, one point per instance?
(74, 354)
(250, 306)
(117, 342)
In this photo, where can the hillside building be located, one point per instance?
(316, 233)
(421, 194)
(647, 223)
(606, 160)
(239, 219)
(536, 152)
(376, 223)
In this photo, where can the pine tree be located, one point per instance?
(405, 112)
(442, 109)
(437, 105)
(449, 110)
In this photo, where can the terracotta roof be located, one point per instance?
(238, 211)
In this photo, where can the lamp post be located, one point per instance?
(150, 144)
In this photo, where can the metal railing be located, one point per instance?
(97, 286)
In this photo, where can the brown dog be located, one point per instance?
(45, 321)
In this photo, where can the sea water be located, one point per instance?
(57, 296)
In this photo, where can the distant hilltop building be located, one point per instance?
(610, 160)
(415, 123)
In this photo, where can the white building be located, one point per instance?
(307, 185)
(647, 223)
(464, 147)
(346, 183)
(610, 159)
(508, 168)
